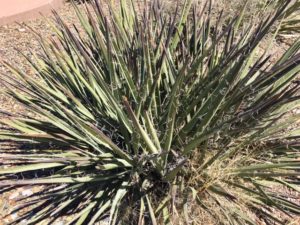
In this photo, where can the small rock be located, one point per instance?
(24, 222)
(14, 216)
(59, 223)
(27, 192)
(297, 111)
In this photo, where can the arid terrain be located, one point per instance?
(18, 39)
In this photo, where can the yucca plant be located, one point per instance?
(291, 19)
(144, 116)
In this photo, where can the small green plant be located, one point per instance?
(154, 117)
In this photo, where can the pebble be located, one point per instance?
(27, 192)
(22, 29)
(24, 222)
(14, 216)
